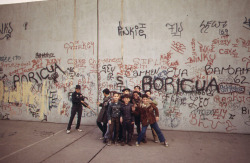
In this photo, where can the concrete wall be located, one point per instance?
(193, 55)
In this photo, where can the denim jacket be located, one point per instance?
(114, 110)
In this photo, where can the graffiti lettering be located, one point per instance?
(137, 30)
(6, 31)
(175, 28)
(230, 70)
(246, 23)
(45, 55)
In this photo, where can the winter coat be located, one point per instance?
(102, 117)
(148, 113)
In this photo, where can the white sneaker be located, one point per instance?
(68, 131)
(79, 130)
(166, 144)
(137, 144)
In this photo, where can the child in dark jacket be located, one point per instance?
(102, 119)
(127, 119)
(149, 116)
(114, 117)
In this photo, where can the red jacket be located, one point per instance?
(147, 113)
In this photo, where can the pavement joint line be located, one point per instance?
(4, 157)
(97, 153)
(68, 145)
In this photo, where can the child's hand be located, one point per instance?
(121, 119)
(157, 119)
(133, 108)
(110, 122)
(132, 123)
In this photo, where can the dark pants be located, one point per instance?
(120, 132)
(102, 127)
(75, 110)
(137, 123)
(127, 131)
(115, 122)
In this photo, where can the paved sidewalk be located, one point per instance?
(28, 142)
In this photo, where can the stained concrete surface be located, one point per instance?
(23, 141)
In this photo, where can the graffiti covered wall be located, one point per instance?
(194, 56)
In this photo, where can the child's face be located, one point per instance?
(137, 89)
(148, 93)
(145, 100)
(126, 92)
(136, 96)
(116, 97)
(126, 100)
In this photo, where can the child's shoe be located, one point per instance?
(129, 143)
(122, 143)
(68, 131)
(137, 144)
(109, 143)
(166, 144)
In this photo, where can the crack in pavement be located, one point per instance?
(68, 145)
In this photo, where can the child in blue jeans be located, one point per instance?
(149, 116)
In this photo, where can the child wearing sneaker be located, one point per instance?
(114, 117)
(149, 116)
(127, 120)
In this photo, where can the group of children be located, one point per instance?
(121, 112)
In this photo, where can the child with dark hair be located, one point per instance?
(127, 120)
(146, 110)
(136, 100)
(114, 117)
(102, 119)
(152, 100)
(137, 89)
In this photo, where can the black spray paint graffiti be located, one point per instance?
(5, 31)
(108, 69)
(182, 85)
(214, 24)
(175, 28)
(25, 25)
(51, 74)
(34, 111)
(246, 23)
(4, 116)
(53, 99)
(10, 59)
(45, 55)
(120, 83)
(245, 110)
(135, 73)
(137, 30)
